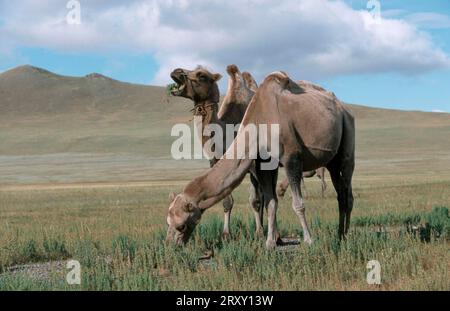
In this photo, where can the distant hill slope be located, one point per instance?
(42, 113)
(27, 91)
(30, 91)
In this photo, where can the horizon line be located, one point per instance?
(435, 111)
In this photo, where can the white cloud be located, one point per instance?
(310, 39)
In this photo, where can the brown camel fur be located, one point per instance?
(282, 187)
(315, 130)
(200, 86)
(320, 173)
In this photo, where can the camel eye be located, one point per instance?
(181, 228)
(203, 78)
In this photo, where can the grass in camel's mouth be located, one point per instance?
(175, 87)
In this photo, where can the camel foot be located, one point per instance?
(259, 234)
(308, 240)
(226, 236)
(271, 244)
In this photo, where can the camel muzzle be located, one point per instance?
(177, 237)
(179, 76)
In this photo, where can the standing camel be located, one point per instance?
(320, 172)
(200, 86)
(315, 130)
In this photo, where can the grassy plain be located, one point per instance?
(117, 234)
(90, 181)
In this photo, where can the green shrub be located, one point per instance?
(30, 252)
(125, 247)
(55, 249)
(437, 224)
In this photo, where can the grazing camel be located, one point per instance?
(320, 172)
(200, 86)
(315, 130)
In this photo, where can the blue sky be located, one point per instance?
(427, 91)
(136, 68)
(402, 64)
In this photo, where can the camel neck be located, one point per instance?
(205, 111)
(220, 180)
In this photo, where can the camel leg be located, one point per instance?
(282, 187)
(261, 208)
(278, 239)
(337, 183)
(321, 175)
(294, 172)
(341, 173)
(303, 186)
(256, 205)
(300, 210)
(307, 174)
(268, 182)
(227, 207)
(324, 185)
(347, 173)
(272, 233)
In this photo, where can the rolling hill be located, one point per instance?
(32, 91)
(61, 129)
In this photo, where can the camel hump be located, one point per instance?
(250, 81)
(278, 74)
(309, 85)
(232, 69)
(282, 78)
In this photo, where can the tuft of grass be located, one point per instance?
(30, 252)
(439, 221)
(55, 249)
(124, 247)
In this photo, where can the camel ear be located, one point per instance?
(217, 77)
(172, 196)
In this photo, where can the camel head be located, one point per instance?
(198, 85)
(182, 219)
